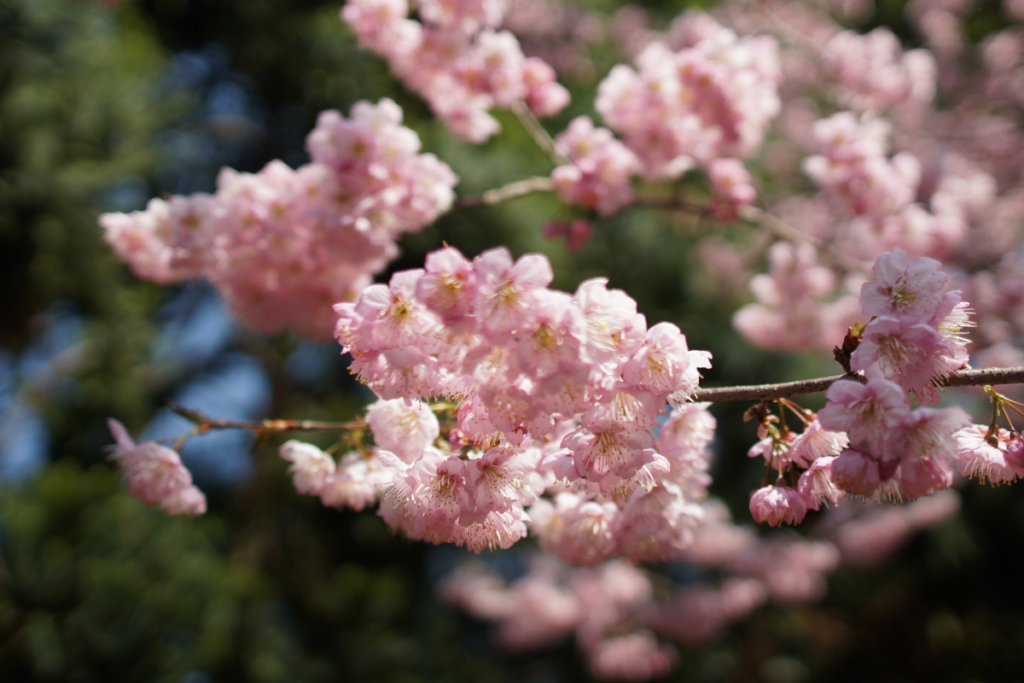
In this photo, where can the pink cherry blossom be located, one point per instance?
(986, 456)
(310, 468)
(816, 485)
(865, 411)
(406, 428)
(903, 288)
(815, 443)
(777, 505)
(856, 472)
(155, 474)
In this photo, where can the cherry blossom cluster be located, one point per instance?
(790, 313)
(873, 73)
(713, 98)
(456, 59)
(876, 197)
(601, 167)
(868, 440)
(621, 624)
(557, 396)
(155, 474)
(284, 244)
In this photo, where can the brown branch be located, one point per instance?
(770, 392)
(505, 192)
(537, 132)
(204, 423)
(763, 219)
(783, 230)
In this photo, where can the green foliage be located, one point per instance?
(94, 586)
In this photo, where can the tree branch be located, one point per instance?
(537, 132)
(770, 392)
(505, 192)
(204, 423)
(783, 230)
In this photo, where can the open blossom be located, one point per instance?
(155, 474)
(404, 428)
(791, 313)
(731, 186)
(923, 447)
(856, 472)
(310, 467)
(914, 355)
(903, 288)
(355, 481)
(579, 531)
(816, 486)
(865, 411)
(985, 455)
(658, 526)
(853, 170)
(505, 301)
(635, 656)
(815, 443)
(664, 364)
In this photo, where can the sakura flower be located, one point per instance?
(403, 427)
(552, 342)
(865, 411)
(355, 482)
(579, 531)
(816, 485)
(495, 479)
(186, 501)
(634, 656)
(310, 468)
(664, 365)
(155, 474)
(777, 505)
(658, 525)
(816, 442)
(505, 299)
(731, 186)
(922, 444)
(448, 285)
(986, 456)
(438, 496)
(614, 328)
(856, 472)
(599, 175)
(613, 450)
(903, 288)
(497, 530)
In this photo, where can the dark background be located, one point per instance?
(104, 105)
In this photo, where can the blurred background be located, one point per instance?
(104, 105)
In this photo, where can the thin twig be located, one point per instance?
(755, 216)
(537, 132)
(204, 423)
(500, 194)
(782, 229)
(770, 392)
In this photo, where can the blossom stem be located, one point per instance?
(204, 423)
(518, 188)
(537, 132)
